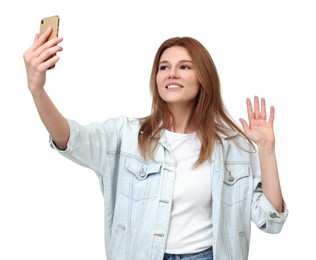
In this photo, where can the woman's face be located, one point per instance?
(176, 79)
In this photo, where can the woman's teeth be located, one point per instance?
(174, 86)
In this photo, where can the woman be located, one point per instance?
(184, 182)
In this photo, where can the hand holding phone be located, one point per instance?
(51, 21)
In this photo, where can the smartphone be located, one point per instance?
(51, 21)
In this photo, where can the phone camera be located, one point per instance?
(42, 21)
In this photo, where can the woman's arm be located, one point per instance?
(260, 131)
(38, 58)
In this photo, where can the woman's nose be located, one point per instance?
(173, 73)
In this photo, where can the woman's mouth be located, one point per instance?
(173, 86)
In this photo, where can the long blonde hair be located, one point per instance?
(210, 115)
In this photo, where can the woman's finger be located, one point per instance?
(47, 58)
(263, 109)
(48, 47)
(249, 110)
(36, 37)
(40, 39)
(48, 63)
(272, 115)
(256, 108)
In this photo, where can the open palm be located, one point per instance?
(259, 130)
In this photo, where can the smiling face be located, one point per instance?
(176, 79)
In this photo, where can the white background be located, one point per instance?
(51, 208)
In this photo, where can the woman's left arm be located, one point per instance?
(260, 131)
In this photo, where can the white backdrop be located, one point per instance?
(51, 208)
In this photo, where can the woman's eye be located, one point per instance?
(185, 67)
(163, 68)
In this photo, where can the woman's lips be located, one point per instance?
(173, 86)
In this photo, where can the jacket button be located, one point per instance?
(273, 215)
(231, 178)
(142, 174)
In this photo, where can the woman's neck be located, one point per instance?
(182, 120)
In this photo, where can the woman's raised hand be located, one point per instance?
(259, 129)
(39, 57)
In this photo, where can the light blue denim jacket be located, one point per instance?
(138, 193)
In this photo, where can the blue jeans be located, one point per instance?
(205, 255)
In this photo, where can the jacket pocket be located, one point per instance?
(140, 180)
(236, 183)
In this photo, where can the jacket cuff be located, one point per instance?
(71, 142)
(274, 220)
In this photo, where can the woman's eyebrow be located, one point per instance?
(165, 61)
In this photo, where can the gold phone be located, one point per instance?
(51, 21)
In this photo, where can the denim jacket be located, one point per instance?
(138, 193)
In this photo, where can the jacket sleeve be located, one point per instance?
(264, 215)
(90, 145)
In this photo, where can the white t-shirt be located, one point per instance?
(191, 217)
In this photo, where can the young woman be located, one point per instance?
(184, 182)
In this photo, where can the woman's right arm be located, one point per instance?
(38, 58)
